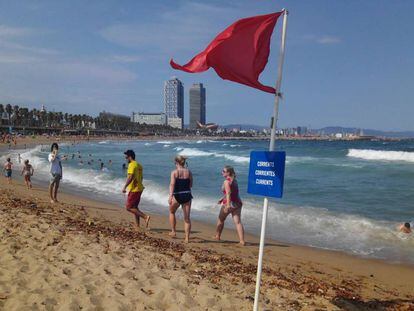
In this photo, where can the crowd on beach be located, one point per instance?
(181, 182)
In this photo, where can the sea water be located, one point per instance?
(339, 195)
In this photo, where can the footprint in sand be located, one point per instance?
(119, 288)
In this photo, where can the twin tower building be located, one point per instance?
(174, 104)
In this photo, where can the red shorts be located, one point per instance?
(133, 199)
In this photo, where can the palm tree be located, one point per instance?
(24, 115)
(15, 115)
(9, 111)
(1, 113)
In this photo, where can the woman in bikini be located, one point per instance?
(230, 204)
(27, 172)
(180, 194)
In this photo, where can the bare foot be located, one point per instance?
(186, 240)
(147, 220)
(172, 234)
(216, 237)
(242, 243)
(52, 201)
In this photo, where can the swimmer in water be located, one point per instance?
(405, 228)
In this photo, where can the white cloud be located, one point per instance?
(323, 39)
(11, 32)
(182, 28)
(125, 58)
(18, 58)
(9, 38)
(43, 74)
(328, 40)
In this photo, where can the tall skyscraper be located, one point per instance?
(197, 105)
(174, 100)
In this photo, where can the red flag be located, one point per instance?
(239, 53)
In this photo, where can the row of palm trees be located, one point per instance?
(23, 117)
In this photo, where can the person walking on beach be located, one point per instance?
(180, 194)
(27, 172)
(134, 186)
(55, 171)
(230, 204)
(7, 168)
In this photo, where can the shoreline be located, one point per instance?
(147, 206)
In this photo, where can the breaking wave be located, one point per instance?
(381, 155)
(194, 152)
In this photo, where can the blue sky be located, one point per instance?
(348, 63)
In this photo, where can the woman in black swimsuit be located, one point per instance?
(180, 194)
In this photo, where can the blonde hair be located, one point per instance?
(229, 169)
(180, 160)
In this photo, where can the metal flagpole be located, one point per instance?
(271, 148)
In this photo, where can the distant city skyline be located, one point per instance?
(84, 57)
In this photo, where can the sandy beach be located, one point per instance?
(84, 254)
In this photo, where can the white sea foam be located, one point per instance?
(193, 152)
(165, 142)
(320, 228)
(238, 159)
(381, 155)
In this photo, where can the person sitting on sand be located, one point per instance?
(180, 194)
(55, 171)
(230, 204)
(134, 186)
(405, 228)
(27, 172)
(7, 168)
